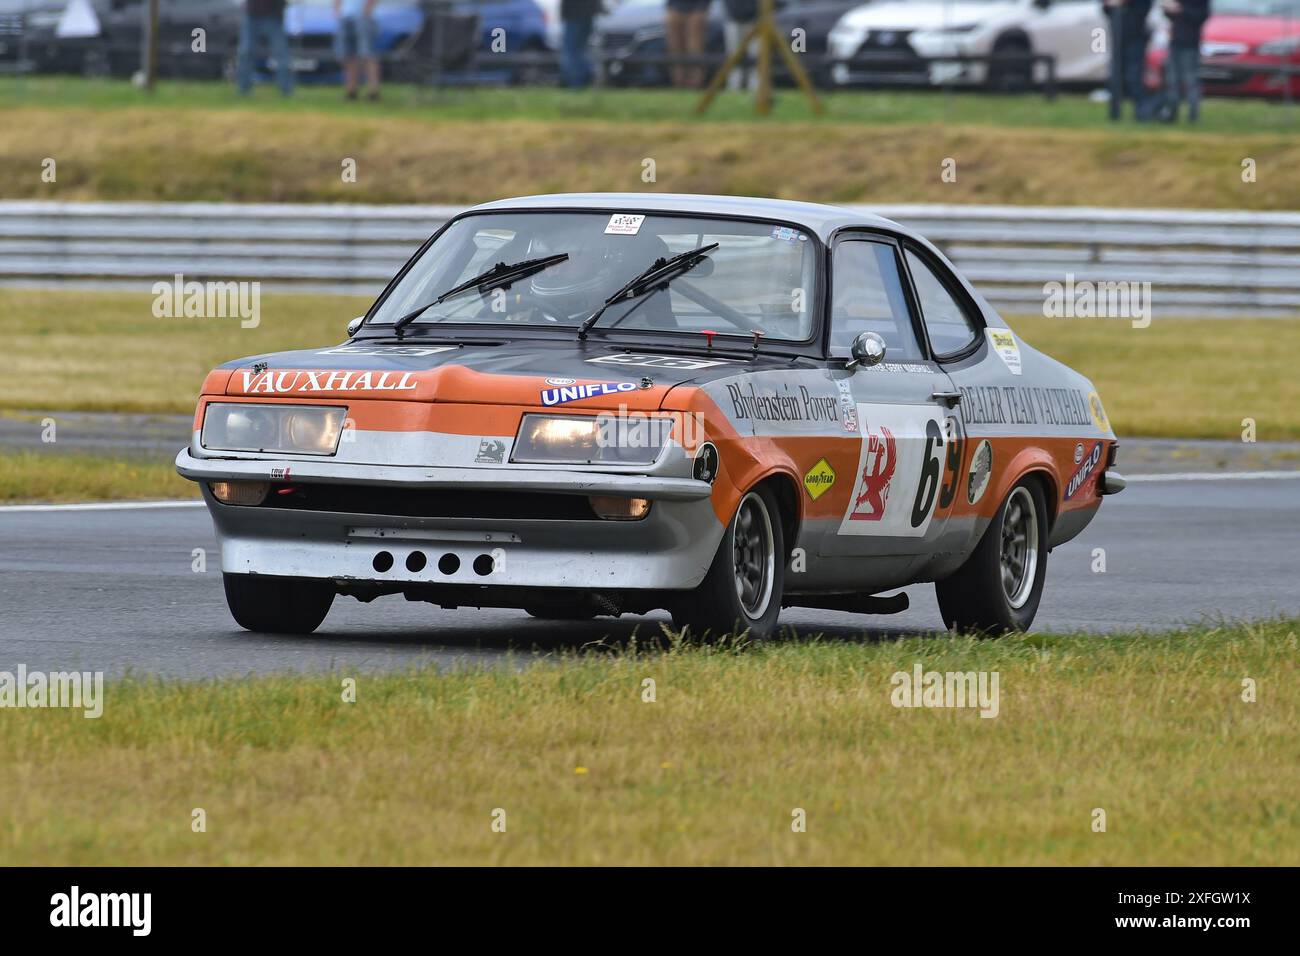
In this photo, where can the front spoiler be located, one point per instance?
(404, 476)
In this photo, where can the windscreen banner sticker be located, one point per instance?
(1008, 349)
(622, 224)
(575, 393)
(900, 469)
(655, 361)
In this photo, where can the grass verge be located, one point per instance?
(196, 141)
(1152, 729)
(104, 351)
(30, 476)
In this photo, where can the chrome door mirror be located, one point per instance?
(867, 349)
(354, 325)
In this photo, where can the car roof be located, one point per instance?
(816, 217)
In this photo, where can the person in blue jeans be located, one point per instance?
(1129, 35)
(1183, 64)
(263, 23)
(355, 46)
(577, 17)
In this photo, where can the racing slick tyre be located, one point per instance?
(999, 587)
(277, 605)
(743, 587)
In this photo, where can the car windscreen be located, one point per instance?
(759, 277)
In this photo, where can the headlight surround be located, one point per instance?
(627, 439)
(1282, 46)
(283, 429)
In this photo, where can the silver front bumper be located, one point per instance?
(670, 549)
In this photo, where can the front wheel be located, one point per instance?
(742, 590)
(277, 605)
(999, 587)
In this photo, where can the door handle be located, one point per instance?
(948, 398)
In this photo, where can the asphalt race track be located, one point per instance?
(113, 590)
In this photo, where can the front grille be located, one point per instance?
(430, 503)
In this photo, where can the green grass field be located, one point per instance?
(1150, 728)
(199, 141)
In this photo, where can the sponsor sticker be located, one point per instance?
(655, 361)
(564, 394)
(622, 224)
(981, 469)
(819, 479)
(1085, 471)
(786, 234)
(848, 407)
(275, 382)
(1098, 413)
(491, 451)
(1008, 349)
(561, 381)
(1078, 453)
(706, 463)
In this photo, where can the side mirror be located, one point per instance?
(867, 349)
(354, 325)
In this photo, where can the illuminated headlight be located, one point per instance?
(619, 509)
(289, 429)
(586, 440)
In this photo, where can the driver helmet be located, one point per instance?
(598, 265)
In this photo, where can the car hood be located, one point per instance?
(530, 373)
(1250, 30)
(921, 16)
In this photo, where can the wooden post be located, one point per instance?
(765, 34)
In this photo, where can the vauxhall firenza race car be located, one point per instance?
(605, 404)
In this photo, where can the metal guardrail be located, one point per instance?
(1198, 263)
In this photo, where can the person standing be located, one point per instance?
(355, 46)
(1183, 63)
(741, 15)
(687, 26)
(263, 22)
(1128, 21)
(577, 17)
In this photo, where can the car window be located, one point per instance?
(946, 322)
(867, 296)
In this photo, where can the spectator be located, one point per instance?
(1183, 64)
(577, 17)
(741, 15)
(263, 21)
(355, 46)
(1128, 20)
(687, 25)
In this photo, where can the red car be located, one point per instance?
(1244, 44)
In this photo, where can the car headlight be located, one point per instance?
(587, 440)
(289, 429)
(1283, 46)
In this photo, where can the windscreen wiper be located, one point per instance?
(500, 275)
(658, 275)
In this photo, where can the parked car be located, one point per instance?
(636, 28)
(608, 404)
(510, 26)
(901, 36)
(1243, 45)
(115, 49)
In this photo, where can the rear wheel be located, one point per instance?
(1016, 74)
(1001, 583)
(742, 590)
(277, 605)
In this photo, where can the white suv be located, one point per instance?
(900, 36)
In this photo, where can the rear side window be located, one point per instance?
(867, 296)
(949, 326)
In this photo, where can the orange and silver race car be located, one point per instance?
(606, 404)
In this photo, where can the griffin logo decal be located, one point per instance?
(877, 472)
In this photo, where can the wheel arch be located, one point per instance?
(1034, 463)
(786, 491)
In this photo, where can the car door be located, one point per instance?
(903, 481)
(1065, 29)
